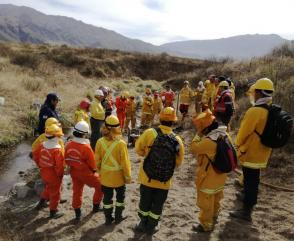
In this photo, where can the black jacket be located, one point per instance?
(46, 112)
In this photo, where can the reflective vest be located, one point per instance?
(108, 158)
(220, 104)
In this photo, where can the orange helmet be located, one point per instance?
(168, 114)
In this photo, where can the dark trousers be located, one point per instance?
(96, 133)
(151, 204)
(108, 200)
(251, 183)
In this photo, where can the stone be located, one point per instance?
(21, 189)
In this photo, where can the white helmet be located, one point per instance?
(99, 93)
(82, 127)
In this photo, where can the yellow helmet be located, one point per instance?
(263, 84)
(168, 114)
(112, 121)
(207, 82)
(53, 130)
(51, 121)
(223, 84)
(203, 120)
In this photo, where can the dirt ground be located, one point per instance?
(273, 218)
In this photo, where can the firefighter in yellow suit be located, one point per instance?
(153, 193)
(209, 183)
(147, 109)
(114, 166)
(157, 106)
(130, 113)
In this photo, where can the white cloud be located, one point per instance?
(160, 21)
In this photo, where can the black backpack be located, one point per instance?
(225, 159)
(160, 162)
(278, 127)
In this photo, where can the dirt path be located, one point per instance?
(273, 219)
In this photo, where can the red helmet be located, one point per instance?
(85, 105)
(155, 93)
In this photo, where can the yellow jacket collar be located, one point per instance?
(166, 128)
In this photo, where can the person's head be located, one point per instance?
(50, 121)
(200, 84)
(124, 95)
(186, 83)
(223, 85)
(167, 88)
(148, 91)
(85, 105)
(168, 116)
(132, 98)
(203, 121)
(155, 94)
(99, 95)
(111, 127)
(206, 82)
(105, 90)
(52, 99)
(53, 131)
(262, 88)
(212, 78)
(81, 129)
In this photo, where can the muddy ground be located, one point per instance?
(273, 218)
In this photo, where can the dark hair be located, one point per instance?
(210, 128)
(50, 137)
(167, 123)
(78, 134)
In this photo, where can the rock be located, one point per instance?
(21, 189)
(39, 187)
(2, 101)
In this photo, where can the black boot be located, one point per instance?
(244, 214)
(240, 196)
(142, 226)
(78, 213)
(96, 208)
(41, 204)
(108, 216)
(55, 214)
(118, 215)
(152, 226)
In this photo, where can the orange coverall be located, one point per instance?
(121, 105)
(80, 158)
(51, 164)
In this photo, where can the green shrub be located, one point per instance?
(29, 60)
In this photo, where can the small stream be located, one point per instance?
(17, 161)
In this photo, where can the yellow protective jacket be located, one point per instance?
(97, 110)
(142, 148)
(147, 107)
(81, 115)
(157, 106)
(251, 152)
(43, 138)
(207, 179)
(186, 95)
(131, 108)
(113, 162)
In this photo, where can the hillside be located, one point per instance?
(24, 24)
(239, 47)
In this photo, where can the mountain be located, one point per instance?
(243, 46)
(24, 24)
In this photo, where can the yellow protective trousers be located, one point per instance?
(209, 205)
(146, 119)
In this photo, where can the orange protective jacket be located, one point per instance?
(79, 156)
(120, 105)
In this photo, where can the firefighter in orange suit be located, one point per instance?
(121, 105)
(79, 156)
(209, 182)
(50, 160)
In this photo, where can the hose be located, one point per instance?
(285, 189)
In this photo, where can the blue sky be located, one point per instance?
(161, 21)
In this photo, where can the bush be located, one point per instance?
(29, 60)
(32, 85)
(67, 58)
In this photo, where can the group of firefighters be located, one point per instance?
(103, 163)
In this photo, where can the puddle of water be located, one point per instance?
(18, 160)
